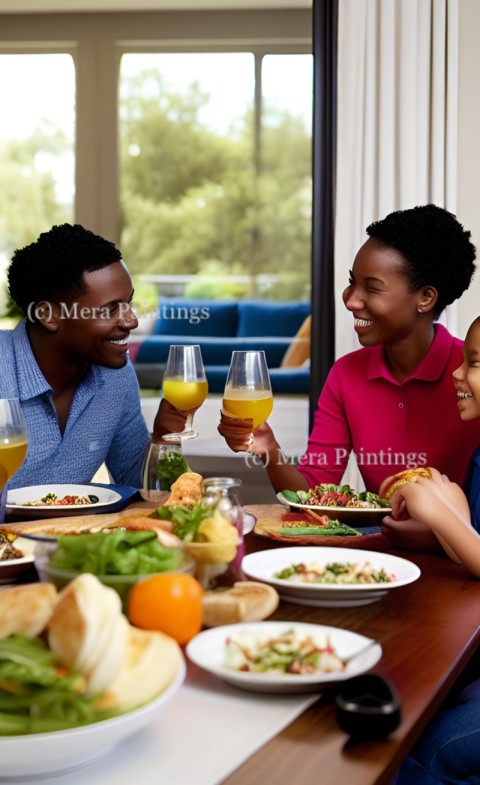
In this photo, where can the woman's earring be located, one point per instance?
(420, 310)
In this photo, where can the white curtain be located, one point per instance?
(397, 123)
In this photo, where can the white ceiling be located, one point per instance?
(44, 6)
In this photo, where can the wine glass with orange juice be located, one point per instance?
(185, 385)
(248, 393)
(13, 444)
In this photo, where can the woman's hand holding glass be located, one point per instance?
(13, 445)
(185, 386)
(247, 395)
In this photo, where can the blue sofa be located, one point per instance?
(221, 327)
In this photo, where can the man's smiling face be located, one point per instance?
(95, 325)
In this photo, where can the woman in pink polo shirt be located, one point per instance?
(392, 401)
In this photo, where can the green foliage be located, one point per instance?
(27, 191)
(190, 195)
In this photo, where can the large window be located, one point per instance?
(177, 136)
(215, 152)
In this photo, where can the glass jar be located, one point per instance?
(162, 465)
(224, 494)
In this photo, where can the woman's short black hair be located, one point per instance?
(437, 249)
(53, 266)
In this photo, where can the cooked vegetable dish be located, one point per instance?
(334, 573)
(330, 495)
(52, 500)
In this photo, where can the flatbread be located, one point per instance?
(271, 525)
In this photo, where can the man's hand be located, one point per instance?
(167, 420)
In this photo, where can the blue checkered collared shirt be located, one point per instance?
(105, 423)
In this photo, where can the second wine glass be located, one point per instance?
(248, 393)
(185, 385)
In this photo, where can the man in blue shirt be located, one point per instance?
(67, 360)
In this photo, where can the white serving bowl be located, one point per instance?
(40, 754)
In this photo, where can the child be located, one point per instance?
(438, 503)
(449, 749)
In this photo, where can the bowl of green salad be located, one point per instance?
(119, 558)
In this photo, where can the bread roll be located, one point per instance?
(245, 601)
(186, 491)
(25, 610)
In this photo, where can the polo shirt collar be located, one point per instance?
(429, 370)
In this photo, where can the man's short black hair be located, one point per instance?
(437, 249)
(53, 266)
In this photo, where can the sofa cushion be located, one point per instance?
(195, 318)
(257, 318)
(215, 351)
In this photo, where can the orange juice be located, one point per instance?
(255, 405)
(12, 455)
(184, 395)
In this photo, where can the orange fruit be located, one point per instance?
(170, 603)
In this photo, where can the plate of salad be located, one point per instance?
(339, 502)
(330, 577)
(282, 656)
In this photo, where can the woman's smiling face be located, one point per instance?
(379, 295)
(467, 377)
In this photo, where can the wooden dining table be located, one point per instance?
(429, 632)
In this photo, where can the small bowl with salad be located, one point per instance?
(119, 558)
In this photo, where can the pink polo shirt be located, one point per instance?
(389, 425)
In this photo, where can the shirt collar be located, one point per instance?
(429, 370)
(31, 381)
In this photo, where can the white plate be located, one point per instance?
(263, 565)
(207, 650)
(107, 498)
(352, 515)
(66, 750)
(10, 569)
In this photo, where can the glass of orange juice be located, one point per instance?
(248, 392)
(13, 445)
(185, 385)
